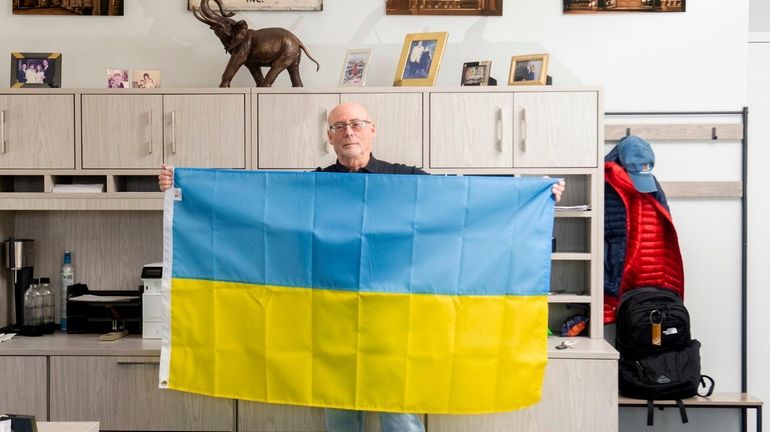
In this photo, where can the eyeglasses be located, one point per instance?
(356, 125)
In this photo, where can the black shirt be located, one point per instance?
(374, 166)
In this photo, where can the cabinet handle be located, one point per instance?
(500, 130)
(324, 126)
(524, 129)
(152, 129)
(138, 362)
(2, 129)
(173, 132)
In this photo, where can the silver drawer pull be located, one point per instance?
(173, 132)
(500, 130)
(524, 129)
(150, 114)
(138, 362)
(2, 129)
(324, 127)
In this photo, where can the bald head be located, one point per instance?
(352, 143)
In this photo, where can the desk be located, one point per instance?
(67, 426)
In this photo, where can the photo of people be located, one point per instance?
(528, 70)
(117, 78)
(35, 70)
(64, 7)
(476, 73)
(584, 6)
(145, 79)
(355, 67)
(419, 59)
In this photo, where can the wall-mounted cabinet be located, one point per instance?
(37, 131)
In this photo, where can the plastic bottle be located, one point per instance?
(48, 303)
(67, 279)
(32, 304)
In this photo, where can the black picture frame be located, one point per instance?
(51, 75)
(476, 73)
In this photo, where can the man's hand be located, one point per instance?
(166, 178)
(557, 190)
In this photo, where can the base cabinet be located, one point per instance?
(122, 393)
(23, 385)
(578, 396)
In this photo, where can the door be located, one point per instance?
(471, 130)
(292, 130)
(37, 131)
(122, 393)
(206, 130)
(555, 129)
(398, 118)
(24, 388)
(122, 131)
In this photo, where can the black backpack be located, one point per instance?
(667, 368)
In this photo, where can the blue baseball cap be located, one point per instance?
(637, 158)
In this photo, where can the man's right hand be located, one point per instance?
(166, 177)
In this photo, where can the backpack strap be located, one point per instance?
(650, 412)
(682, 410)
(709, 387)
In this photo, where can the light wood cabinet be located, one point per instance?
(556, 129)
(579, 395)
(24, 385)
(398, 118)
(205, 130)
(471, 130)
(37, 131)
(122, 131)
(291, 130)
(122, 393)
(514, 130)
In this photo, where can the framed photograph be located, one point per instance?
(118, 78)
(279, 5)
(476, 73)
(444, 7)
(355, 67)
(528, 70)
(35, 69)
(584, 7)
(145, 78)
(68, 7)
(420, 59)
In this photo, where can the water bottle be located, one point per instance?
(49, 303)
(67, 279)
(32, 304)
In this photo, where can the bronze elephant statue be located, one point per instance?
(277, 48)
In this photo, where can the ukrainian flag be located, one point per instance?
(372, 292)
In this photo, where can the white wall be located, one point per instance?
(647, 62)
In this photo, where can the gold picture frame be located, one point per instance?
(420, 59)
(528, 70)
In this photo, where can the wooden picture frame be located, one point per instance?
(251, 5)
(355, 67)
(583, 7)
(444, 7)
(47, 65)
(420, 59)
(476, 73)
(528, 70)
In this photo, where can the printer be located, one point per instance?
(152, 305)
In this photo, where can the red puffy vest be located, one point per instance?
(653, 258)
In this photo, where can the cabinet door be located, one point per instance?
(398, 118)
(24, 386)
(471, 130)
(122, 393)
(555, 129)
(37, 131)
(205, 130)
(262, 417)
(579, 395)
(122, 131)
(292, 130)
